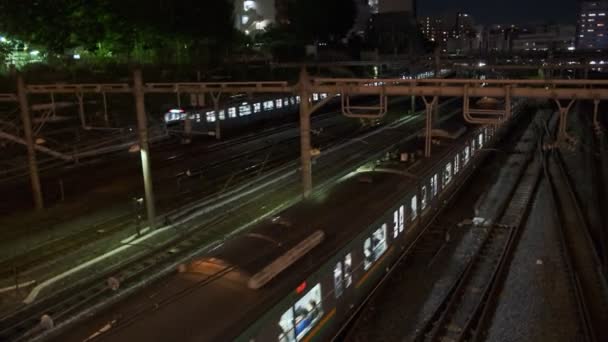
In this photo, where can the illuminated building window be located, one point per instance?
(315, 97)
(279, 103)
(257, 107)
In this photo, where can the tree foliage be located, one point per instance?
(128, 28)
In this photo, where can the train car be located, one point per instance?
(298, 276)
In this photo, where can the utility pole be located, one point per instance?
(29, 138)
(305, 149)
(144, 149)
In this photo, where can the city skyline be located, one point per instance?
(491, 12)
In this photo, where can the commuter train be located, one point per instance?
(300, 275)
(241, 110)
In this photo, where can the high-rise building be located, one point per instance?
(592, 28)
(254, 15)
(392, 6)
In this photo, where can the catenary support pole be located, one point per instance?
(144, 149)
(29, 138)
(305, 148)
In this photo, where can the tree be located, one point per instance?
(321, 20)
(128, 27)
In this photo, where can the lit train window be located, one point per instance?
(268, 105)
(222, 115)
(338, 280)
(257, 107)
(457, 163)
(398, 221)
(286, 101)
(315, 97)
(434, 185)
(211, 116)
(467, 155)
(297, 99)
(374, 247)
(232, 112)
(423, 199)
(279, 103)
(299, 319)
(197, 117)
(324, 95)
(480, 139)
(414, 207)
(348, 270)
(292, 100)
(473, 147)
(245, 110)
(447, 174)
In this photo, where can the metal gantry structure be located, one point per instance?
(430, 90)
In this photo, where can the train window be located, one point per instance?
(398, 221)
(232, 112)
(257, 107)
(447, 174)
(279, 103)
(298, 320)
(286, 102)
(222, 115)
(374, 247)
(297, 99)
(423, 197)
(315, 97)
(473, 147)
(414, 207)
(348, 270)
(244, 110)
(338, 280)
(434, 185)
(286, 324)
(457, 163)
(211, 116)
(269, 105)
(467, 155)
(324, 95)
(480, 139)
(292, 100)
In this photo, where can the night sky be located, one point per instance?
(505, 11)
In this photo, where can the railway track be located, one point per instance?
(95, 293)
(218, 181)
(470, 301)
(583, 265)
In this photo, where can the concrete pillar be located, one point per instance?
(142, 126)
(216, 111)
(305, 145)
(29, 139)
(413, 104)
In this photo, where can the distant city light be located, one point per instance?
(482, 64)
(571, 48)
